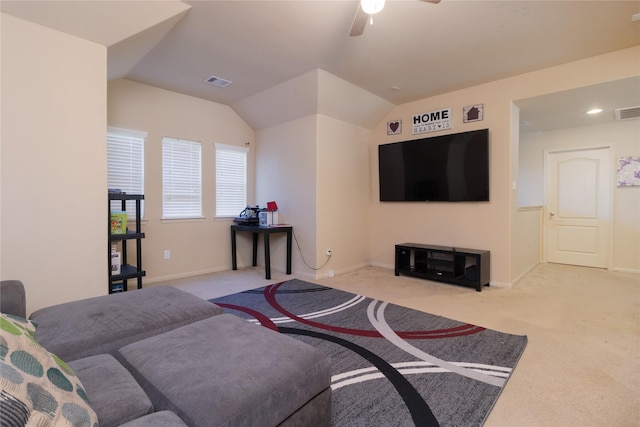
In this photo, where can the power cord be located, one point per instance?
(305, 261)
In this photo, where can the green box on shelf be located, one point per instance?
(118, 222)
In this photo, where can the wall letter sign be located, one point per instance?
(432, 121)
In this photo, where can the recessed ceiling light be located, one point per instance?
(395, 88)
(595, 111)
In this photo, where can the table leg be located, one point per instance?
(234, 262)
(255, 250)
(289, 252)
(267, 257)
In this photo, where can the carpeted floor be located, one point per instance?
(392, 366)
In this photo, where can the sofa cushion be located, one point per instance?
(13, 299)
(157, 419)
(38, 389)
(225, 371)
(104, 324)
(114, 395)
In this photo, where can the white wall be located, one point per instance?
(344, 196)
(197, 246)
(286, 172)
(53, 169)
(317, 168)
(624, 139)
(526, 248)
(480, 225)
(475, 225)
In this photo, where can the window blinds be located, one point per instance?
(231, 180)
(181, 178)
(125, 165)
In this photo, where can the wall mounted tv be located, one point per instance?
(447, 168)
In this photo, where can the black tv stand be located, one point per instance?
(469, 267)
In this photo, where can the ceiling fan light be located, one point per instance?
(372, 6)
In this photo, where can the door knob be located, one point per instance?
(552, 213)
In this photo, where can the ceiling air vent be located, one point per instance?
(627, 113)
(217, 81)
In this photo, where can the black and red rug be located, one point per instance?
(392, 366)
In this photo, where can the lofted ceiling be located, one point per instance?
(412, 51)
(419, 48)
(569, 108)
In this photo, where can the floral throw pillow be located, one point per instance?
(38, 389)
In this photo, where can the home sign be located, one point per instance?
(432, 121)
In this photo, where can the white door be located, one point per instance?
(578, 212)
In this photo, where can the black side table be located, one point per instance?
(266, 232)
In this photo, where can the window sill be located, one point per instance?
(174, 220)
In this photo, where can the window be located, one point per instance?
(181, 178)
(231, 180)
(125, 165)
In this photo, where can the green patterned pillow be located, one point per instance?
(11, 321)
(38, 389)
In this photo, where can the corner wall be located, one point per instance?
(286, 172)
(53, 234)
(344, 180)
(315, 165)
(198, 246)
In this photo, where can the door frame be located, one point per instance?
(610, 210)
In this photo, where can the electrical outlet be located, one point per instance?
(329, 253)
(167, 254)
(330, 273)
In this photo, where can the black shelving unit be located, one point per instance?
(469, 267)
(134, 235)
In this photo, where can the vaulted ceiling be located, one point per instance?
(413, 49)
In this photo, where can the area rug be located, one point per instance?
(391, 365)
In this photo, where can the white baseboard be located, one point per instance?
(627, 270)
(321, 275)
(158, 279)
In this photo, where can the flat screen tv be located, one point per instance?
(447, 168)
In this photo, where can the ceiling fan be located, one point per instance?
(366, 9)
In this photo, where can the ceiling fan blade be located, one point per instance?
(431, 1)
(359, 22)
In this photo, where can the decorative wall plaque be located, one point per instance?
(432, 121)
(394, 127)
(473, 113)
(629, 171)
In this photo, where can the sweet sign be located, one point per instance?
(432, 121)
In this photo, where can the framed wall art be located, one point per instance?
(473, 113)
(394, 127)
(629, 171)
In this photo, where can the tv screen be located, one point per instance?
(447, 168)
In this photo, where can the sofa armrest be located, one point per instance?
(12, 298)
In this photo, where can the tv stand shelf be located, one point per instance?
(460, 266)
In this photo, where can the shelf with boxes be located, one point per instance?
(122, 231)
(459, 266)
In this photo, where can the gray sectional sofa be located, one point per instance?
(157, 357)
